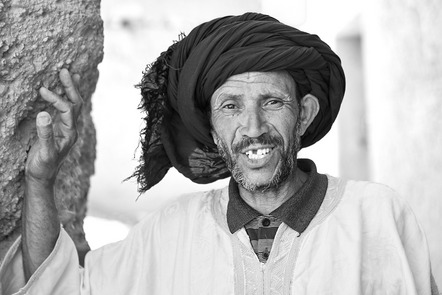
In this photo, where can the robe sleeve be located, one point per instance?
(124, 267)
(416, 249)
(397, 242)
(60, 273)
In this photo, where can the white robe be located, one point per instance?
(363, 240)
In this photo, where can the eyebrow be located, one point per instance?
(269, 94)
(226, 96)
(230, 96)
(262, 95)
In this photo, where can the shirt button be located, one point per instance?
(265, 222)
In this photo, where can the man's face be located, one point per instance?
(255, 126)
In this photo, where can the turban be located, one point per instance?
(176, 90)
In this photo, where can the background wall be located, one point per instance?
(403, 58)
(389, 129)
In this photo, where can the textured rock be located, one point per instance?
(37, 39)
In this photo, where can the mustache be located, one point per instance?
(264, 139)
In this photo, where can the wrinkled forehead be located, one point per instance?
(280, 82)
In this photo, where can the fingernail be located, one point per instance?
(43, 119)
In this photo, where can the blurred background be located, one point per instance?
(389, 129)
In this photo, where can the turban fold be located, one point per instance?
(176, 89)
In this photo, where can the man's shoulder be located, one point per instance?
(368, 195)
(188, 205)
(195, 200)
(181, 218)
(365, 188)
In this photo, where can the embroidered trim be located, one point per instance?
(332, 198)
(274, 277)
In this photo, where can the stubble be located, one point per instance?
(285, 167)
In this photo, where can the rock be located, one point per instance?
(37, 39)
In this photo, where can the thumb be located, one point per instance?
(44, 127)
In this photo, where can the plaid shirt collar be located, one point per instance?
(297, 212)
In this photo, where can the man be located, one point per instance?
(238, 96)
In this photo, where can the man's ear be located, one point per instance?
(309, 109)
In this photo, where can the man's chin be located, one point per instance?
(258, 187)
(258, 184)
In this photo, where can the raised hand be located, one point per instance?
(40, 222)
(55, 136)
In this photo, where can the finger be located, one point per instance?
(76, 78)
(64, 107)
(71, 90)
(44, 127)
(68, 83)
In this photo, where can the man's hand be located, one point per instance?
(41, 226)
(55, 138)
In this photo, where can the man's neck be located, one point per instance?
(266, 202)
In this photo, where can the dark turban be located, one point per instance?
(177, 88)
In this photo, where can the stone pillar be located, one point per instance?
(403, 51)
(37, 39)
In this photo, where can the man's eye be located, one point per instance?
(273, 102)
(229, 106)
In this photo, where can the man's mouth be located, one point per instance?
(257, 154)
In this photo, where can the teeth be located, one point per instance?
(257, 154)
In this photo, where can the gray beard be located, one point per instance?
(286, 167)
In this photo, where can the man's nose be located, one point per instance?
(254, 123)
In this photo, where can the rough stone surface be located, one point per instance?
(37, 39)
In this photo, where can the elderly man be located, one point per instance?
(239, 96)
